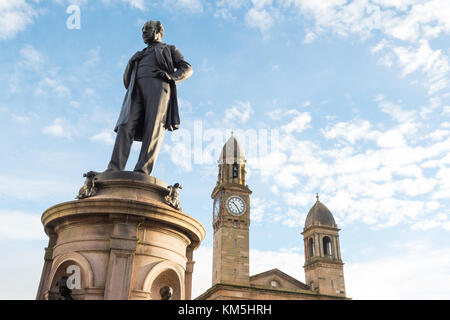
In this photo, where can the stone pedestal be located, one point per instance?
(126, 242)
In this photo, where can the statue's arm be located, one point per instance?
(183, 69)
(127, 74)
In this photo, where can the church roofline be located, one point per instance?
(282, 275)
(233, 287)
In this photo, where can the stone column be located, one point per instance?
(188, 275)
(338, 248)
(335, 252)
(48, 261)
(120, 268)
(307, 256)
(318, 252)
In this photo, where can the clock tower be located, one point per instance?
(231, 218)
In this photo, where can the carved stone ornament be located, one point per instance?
(173, 197)
(89, 188)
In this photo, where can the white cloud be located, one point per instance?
(396, 112)
(15, 15)
(60, 128)
(413, 274)
(202, 276)
(21, 226)
(309, 37)
(180, 150)
(350, 131)
(36, 188)
(299, 124)
(20, 272)
(192, 6)
(276, 114)
(260, 19)
(240, 110)
(224, 8)
(288, 260)
(396, 22)
(33, 63)
(185, 106)
(432, 62)
(31, 58)
(55, 85)
(369, 173)
(259, 208)
(293, 218)
(106, 137)
(138, 4)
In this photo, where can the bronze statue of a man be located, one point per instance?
(150, 105)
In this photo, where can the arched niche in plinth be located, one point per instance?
(164, 274)
(60, 268)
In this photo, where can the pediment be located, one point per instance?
(276, 279)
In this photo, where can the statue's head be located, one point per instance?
(152, 31)
(166, 293)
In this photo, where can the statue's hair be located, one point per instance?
(159, 26)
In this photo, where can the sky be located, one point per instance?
(349, 99)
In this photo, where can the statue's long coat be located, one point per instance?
(170, 60)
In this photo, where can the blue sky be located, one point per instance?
(357, 92)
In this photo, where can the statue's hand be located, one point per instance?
(165, 76)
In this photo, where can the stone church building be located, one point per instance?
(127, 241)
(324, 272)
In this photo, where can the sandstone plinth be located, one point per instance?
(126, 240)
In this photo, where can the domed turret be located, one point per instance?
(324, 271)
(231, 152)
(231, 163)
(319, 215)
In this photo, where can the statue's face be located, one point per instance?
(151, 32)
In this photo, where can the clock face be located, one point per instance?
(236, 206)
(216, 207)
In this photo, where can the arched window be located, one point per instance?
(327, 247)
(235, 170)
(311, 247)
